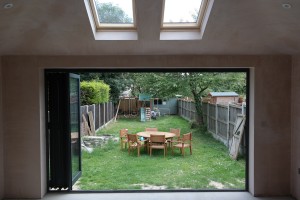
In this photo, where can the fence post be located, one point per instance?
(100, 115)
(243, 108)
(207, 115)
(216, 119)
(86, 110)
(94, 115)
(228, 110)
(99, 110)
(106, 113)
(104, 109)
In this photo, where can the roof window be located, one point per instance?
(113, 14)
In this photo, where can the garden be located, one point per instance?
(124, 100)
(209, 166)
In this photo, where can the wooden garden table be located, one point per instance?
(146, 134)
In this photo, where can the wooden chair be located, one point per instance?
(123, 138)
(157, 142)
(134, 143)
(151, 129)
(185, 142)
(176, 138)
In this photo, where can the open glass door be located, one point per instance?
(74, 96)
(63, 130)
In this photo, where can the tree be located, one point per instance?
(199, 84)
(110, 13)
(161, 85)
(190, 84)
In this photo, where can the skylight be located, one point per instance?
(113, 14)
(183, 13)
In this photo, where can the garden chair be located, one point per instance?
(176, 138)
(185, 142)
(151, 129)
(134, 143)
(157, 142)
(123, 138)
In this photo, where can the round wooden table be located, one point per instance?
(146, 134)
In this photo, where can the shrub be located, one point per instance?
(94, 92)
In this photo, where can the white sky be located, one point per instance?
(181, 10)
(175, 10)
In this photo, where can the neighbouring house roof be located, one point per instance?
(223, 94)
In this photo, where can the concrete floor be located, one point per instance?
(161, 195)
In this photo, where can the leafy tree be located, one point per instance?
(162, 85)
(192, 84)
(110, 13)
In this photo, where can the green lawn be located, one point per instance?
(210, 167)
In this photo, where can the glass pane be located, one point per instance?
(74, 123)
(114, 11)
(181, 11)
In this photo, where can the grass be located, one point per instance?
(210, 167)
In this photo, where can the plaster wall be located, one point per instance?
(295, 137)
(23, 103)
(1, 140)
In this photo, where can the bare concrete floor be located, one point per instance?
(161, 195)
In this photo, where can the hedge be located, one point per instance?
(94, 92)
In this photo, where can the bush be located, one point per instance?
(94, 92)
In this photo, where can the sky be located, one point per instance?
(181, 10)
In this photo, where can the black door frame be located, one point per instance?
(58, 144)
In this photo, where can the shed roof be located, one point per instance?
(223, 94)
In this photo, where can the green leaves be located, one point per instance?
(162, 85)
(110, 13)
(94, 92)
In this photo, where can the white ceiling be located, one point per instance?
(235, 27)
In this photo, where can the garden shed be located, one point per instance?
(166, 106)
(223, 97)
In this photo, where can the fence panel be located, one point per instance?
(102, 113)
(211, 118)
(204, 109)
(233, 112)
(222, 120)
(97, 116)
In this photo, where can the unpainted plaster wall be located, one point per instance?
(295, 145)
(1, 140)
(23, 105)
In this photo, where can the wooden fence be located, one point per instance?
(187, 110)
(102, 113)
(220, 119)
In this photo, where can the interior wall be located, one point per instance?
(23, 105)
(1, 140)
(295, 137)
